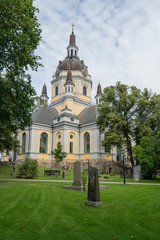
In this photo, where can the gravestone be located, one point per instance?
(137, 173)
(93, 188)
(64, 175)
(77, 174)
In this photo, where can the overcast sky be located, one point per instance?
(119, 40)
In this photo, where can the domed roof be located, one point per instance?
(75, 64)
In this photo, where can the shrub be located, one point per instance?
(29, 169)
(84, 180)
(106, 177)
(112, 172)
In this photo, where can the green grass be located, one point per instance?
(5, 172)
(45, 211)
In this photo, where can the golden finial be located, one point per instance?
(72, 27)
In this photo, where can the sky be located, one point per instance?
(119, 40)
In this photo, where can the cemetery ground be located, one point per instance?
(5, 173)
(43, 210)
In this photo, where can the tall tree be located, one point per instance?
(127, 114)
(20, 36)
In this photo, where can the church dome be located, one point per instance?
(75, 64)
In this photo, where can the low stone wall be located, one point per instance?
(104, 166)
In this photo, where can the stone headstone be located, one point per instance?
(93, 188)
(64, 175)
(77, 174)
(137, 173)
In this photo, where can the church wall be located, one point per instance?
(76, 108)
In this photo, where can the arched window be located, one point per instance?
(24, 142)
(75, 52)
(71, 52)
(86, 143)
(43, 143)
(84, 90)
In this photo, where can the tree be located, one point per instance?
(128, 114)
(20, 36)
(58, 153)
(148, 155)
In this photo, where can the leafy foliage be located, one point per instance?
(58, 153)
(128, 114)
(148, 154)
(84, 180)
(20, 36)
(29, 169)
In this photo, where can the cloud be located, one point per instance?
(118, 40)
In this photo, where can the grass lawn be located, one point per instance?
(5, 172)
(41, 210)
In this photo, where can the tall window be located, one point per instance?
(118, 153)
(24, 142)
(56, 91)
(107, 148)
(71, 147)
(86, 143)
(84, 90)
(71, 52)
(43, 143)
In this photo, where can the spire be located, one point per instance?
(69, 80)
(44, 98)
(99, 89)
(72, 37)
(44, 90)
(99, 92)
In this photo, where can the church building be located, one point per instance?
(70, 118)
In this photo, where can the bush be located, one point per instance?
(112, 172)
(84, 180)
(29, 169)
(106, 177)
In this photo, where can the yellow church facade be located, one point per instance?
(70, 118)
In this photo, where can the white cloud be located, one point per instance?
(118, 40)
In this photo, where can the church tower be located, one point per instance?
(71, 83)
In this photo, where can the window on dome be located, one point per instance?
(43, 143)
(75, 52)
(86, 143)
(65, 89)
(71, 89)
(71, 52)
(68, 89)
(84, 90)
